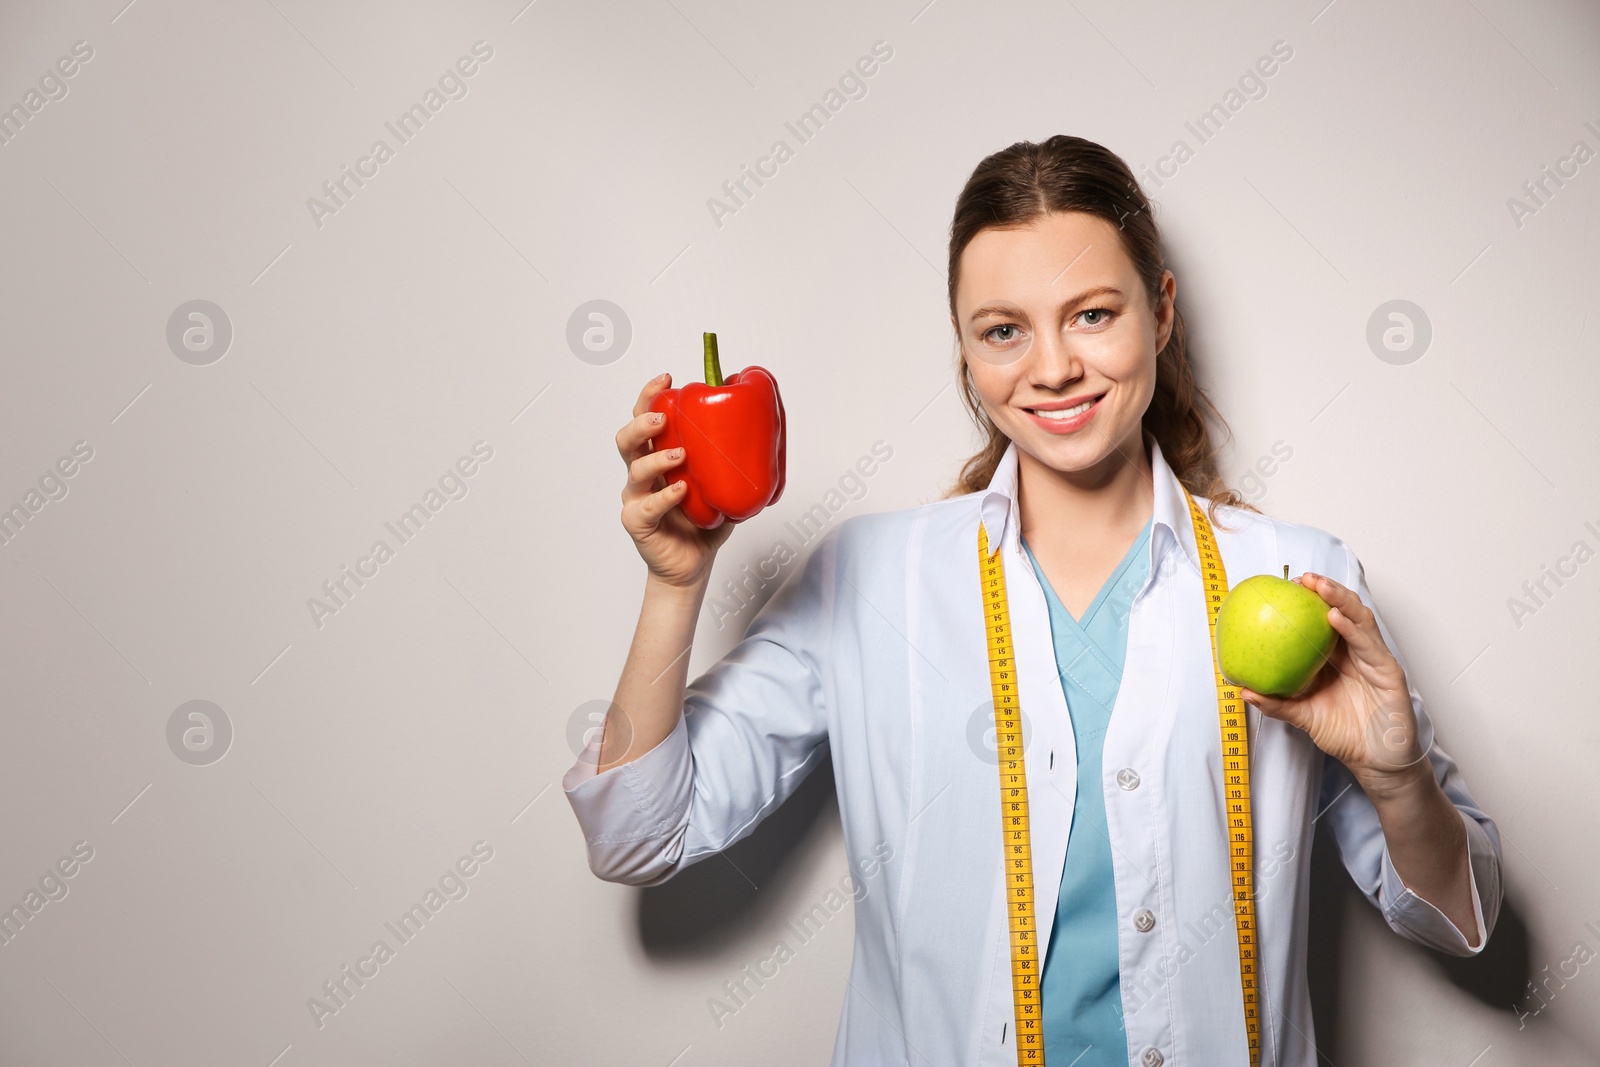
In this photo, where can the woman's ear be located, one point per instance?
(1166, 296)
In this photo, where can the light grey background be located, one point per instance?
(369, 353)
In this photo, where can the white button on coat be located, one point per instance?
(876, 649)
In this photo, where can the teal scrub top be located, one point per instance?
(1081, 988)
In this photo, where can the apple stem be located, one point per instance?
(1285, 572)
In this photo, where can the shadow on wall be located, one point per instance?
(715, 901)
(1497, 977)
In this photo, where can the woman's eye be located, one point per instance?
(1002, 335)
(1100, 316)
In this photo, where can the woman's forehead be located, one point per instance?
(1049, 259)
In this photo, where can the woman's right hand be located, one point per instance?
(677, 551)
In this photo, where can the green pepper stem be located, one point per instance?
(713, 366)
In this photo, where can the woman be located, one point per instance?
(1073, 364)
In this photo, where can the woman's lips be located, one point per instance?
(1056, 423)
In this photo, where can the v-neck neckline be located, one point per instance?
(1105, 590)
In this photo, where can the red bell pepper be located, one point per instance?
(732, 430)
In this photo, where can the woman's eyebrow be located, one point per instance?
(1007, 309)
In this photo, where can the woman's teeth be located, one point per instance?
(1064, 413)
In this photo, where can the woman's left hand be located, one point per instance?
(1358, 708)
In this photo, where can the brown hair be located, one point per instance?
(1019, 184)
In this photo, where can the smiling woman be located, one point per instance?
(1035, 223)
(1044, 899)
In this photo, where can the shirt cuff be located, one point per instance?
(1419, 919)
(633, 814)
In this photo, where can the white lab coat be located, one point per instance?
(876, 651)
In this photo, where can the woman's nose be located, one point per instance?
(1055, 361)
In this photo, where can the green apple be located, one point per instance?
(1273, 635)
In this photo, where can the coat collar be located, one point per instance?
(1171, 524)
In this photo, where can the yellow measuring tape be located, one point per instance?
(1026, 959)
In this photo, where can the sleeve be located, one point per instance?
(754, 725)
(1354, 822)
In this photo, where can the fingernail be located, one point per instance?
(661, 377)
(655, 418)
(677, 453)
